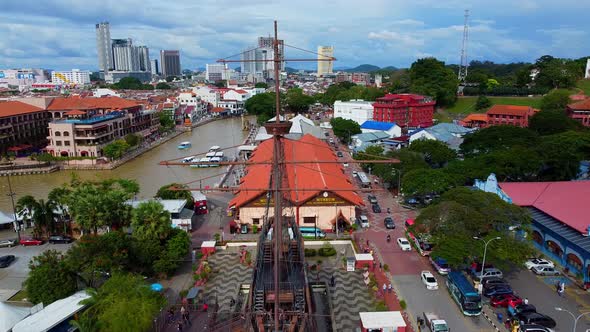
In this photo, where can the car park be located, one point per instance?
(404, 244)
(60, 239)
(495, 290)
(376, 208)
(428, 280)
(536, 318)
(372, 199)
(504, 300)
(6, 260)
(533, 328)
(545, 271)
(538, 262)
(388, 223)
(8, 243)
(440, 265)
(31, 242)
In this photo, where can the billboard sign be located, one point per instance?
(25, 76)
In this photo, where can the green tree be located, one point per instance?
(482, 103)
(555, 73)
(166, 121)
(221, 84)
(436, 153)
(124, 303)
(166, 192)
(132, 139)
(523, 77)
(262, 105)
(116, 149)
(150, 220)
(127, 83)
(562, 153)
(49, 278)
(59, 197)
(163, 86)
(497, 138)
(40, 212)
(556, 100)
(421, 182)
(430, 77)
(552, 122)
(297, 101)
(345, 129)
(261, 85)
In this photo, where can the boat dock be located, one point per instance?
(230, 168)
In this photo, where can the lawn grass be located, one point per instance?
(466, 105)
(21, 295)
(442, 117)
(584, 85)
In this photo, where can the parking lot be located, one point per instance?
(13, 276)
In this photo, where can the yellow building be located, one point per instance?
(325, 67)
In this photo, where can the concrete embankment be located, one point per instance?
(230, 168)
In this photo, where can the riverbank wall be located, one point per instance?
(230, 168)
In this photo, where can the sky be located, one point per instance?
(60, 34)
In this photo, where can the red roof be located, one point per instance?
(77, 103)
(476, 117)
(325, 176)
(566, 201)
(218, 109)
(75, 112)
(242, 92)
(11, 108)
(581, 105)
(511, 110)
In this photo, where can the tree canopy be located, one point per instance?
(116, 149)
(261, 85)
(556, 100)
(163, 86)
(496, 138)
(150, 221)
(166, 193)
(422, 182)
(49, 279)
(262, 105)
(430, 77)
(131, 83)
(297, 101)
(436, 153)
(344, 129)
(551, 122)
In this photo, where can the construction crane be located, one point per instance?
(463, 64)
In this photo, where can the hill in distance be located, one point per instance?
(365, 68)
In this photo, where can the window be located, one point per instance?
(57, 133)
(57, 143)
(255, 221)
(67, 143)
(309, 220)
(66, 133)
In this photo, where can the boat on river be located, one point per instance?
(184, 145)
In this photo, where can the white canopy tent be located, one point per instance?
(11, 315)
(53, 314)
(6, 218)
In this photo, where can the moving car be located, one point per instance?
(536, 318)
(403, 243)
(8, 243)
(533, 328)
(440, 265)
(538, 262)
(30, 242)
(60, 239)
(364, 221)
(428, 280)
(497, 290)
(376, 208)
(6, 260)
(545, 271)
(388, 222)
(504, 299)
(372, 199)
(339, 154)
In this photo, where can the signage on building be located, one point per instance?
(261, 201)
(25, 76)
(326, 199)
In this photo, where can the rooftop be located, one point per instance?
(511, 110)
(566, 201)
(170, 205)
(377, 125)
(11, 108)
(476, 117)
(580, 105)
(92, 120)
(78, 103)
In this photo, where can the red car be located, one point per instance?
(31, 242)
(504, 300)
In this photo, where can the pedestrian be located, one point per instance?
(333, 281)
(526, 300)
(182, 310)
(384, 289)
(390, 288)
(187, 319)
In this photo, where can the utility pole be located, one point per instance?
(464, 64)
(12, 194)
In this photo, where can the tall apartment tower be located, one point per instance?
(154, 67)
(266, 47)
(325, 67)
(104, 46)
(170, 63)
(144, 58)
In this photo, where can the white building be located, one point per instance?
(215, 72)
(192, 99)
(208, 94)
(75, 76)
(357, 110)
(102, 92)
(237, 94)
(23, 77)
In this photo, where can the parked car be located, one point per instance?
(376, 208)
(497, 290)
(355, 173)
(8, 243)
(545, 271)
(30, 242)
(388, 222)
(403, 243)
(504, 299)
(60, 239)
(440, 265)
(412, 201)
(488, 273)
(488, 283)
(524, 308)
(536, 318)
(429, 280)
(339, 154)
(534, 328)
(538, 262)
(372, 199)
(6, 260)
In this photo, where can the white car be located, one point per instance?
(8, 243)
(429, 280)
(404, 244)
(538, 262)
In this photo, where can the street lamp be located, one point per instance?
(576, 319)
(12, 194)
(483, 263)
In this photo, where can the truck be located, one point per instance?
(435, 324)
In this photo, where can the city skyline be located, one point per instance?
(60, 34)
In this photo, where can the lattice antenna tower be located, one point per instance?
(463, 65)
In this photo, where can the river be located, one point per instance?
(145, 168)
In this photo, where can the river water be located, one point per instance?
(145, 168)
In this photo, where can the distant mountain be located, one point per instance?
(290, 70)
(365, 68)
(391, 68)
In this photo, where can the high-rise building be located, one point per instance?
(325, 67)
(266, 47)
(155, 68)
(144, 58)
(103, 46)
(215, 72)
(126, 56)
(170, 63)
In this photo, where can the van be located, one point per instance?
(312, 233)
(489, 273)
(364, 221)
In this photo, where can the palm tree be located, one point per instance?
(150, 220)
(44, 217)
(25, 207)
(59, 196)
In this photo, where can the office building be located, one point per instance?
(325, 67)
(125, 55)
(144, 58)
(24, 76)
(75, 76)
(115, 76)
(252, 61)
(22, 126)
(103, 46)
(215, 72)
(170, 63)
(155, 68)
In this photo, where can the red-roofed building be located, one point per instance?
(22, 124)
(560, 225)
(475, 120)
(580, 111)
(512, 115)
(321, 193)
(406, 110)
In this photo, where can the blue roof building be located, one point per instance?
(391, 128)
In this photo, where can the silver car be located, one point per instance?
(7, 243)
(545, 271)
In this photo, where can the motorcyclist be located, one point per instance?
(388, 237)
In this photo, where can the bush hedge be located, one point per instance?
(310, 252)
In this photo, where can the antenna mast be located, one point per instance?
(463, 65)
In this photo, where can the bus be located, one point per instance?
(312, 233)
(364, 180)
(463, 292)
(421, 241)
